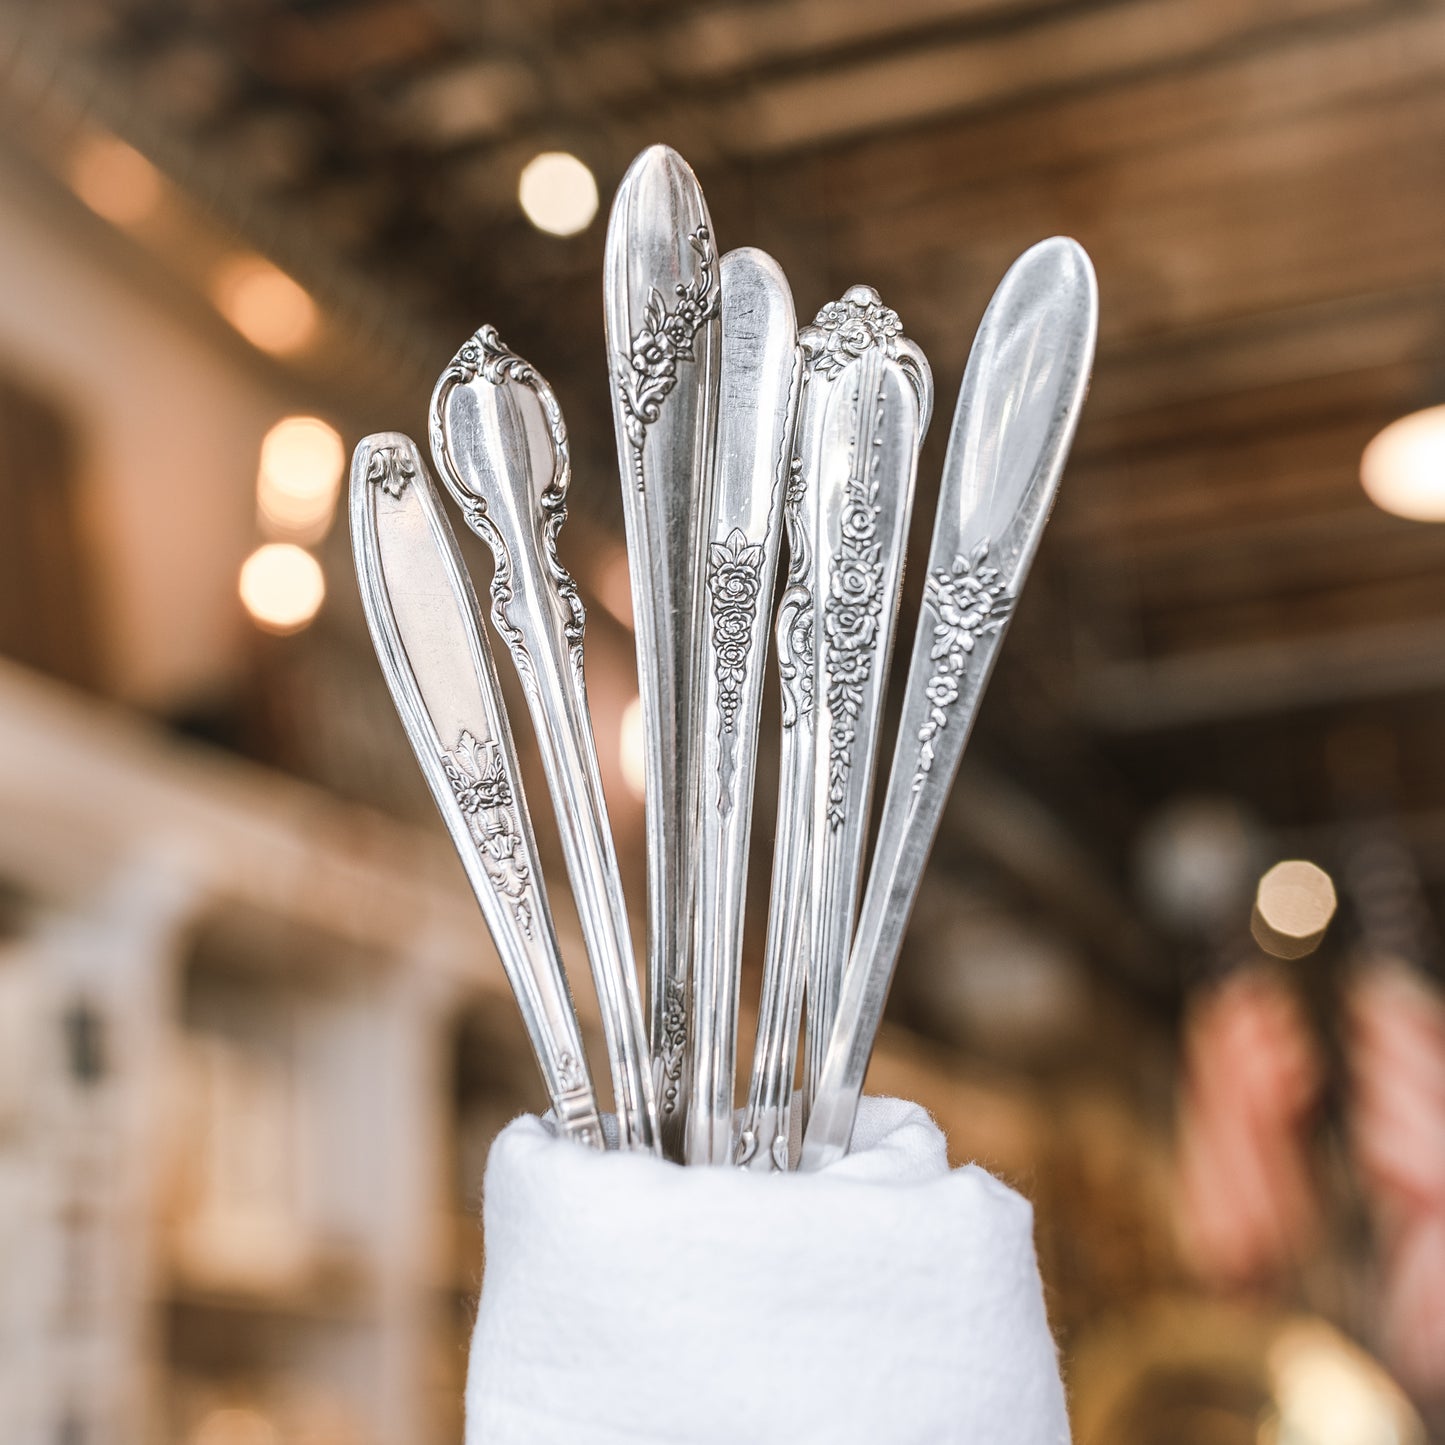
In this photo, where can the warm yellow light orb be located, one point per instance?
(282, 587)
(1403, 468)
(558, 193)
(265, 305)
(115, 180)
(302, 459)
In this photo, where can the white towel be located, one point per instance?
(885, 1300)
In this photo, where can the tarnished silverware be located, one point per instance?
(1022, 393)
(427, 630)
(499, 442)
(662, 297)
(867, 398)
(759, 391)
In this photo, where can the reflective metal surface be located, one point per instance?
(1017, 409)
(499, 441)
(662, 295)
(759, 392)
(867, 397)
(426, 626)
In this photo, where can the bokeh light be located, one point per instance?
(302, 459)
(282, 587)
(558, 193)
(265, 305)
(1403, 468)
(115, 180)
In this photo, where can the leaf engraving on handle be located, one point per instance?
(968, 602)
(673, 1052)
(391, 469)
(479, 782)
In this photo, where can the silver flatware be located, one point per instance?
(867, 398)
(763, 1136)
(426, 626)
(1017, 410)
(662, 296)
(500, 444)
(759, 391)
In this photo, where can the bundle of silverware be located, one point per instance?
(732, 427)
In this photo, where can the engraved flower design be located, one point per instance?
(968, 601)
(734, 582)
(477, 776)
(850, 327)
(648, 372)
(654, 354)
(942, 689)
(850, 631)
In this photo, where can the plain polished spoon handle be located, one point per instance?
(500, 443)
(760, 365)
(427, 629)
(1018, 407)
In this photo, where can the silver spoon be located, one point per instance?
(662, 298)
(763, 1138)
(868, 395)
(499, 442)
(426, 626)
(760, 368)
(1017, 409)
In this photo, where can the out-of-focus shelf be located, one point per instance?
(288, 1010)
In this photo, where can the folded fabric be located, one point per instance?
(884, 1300)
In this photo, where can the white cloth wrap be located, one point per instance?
(885, 1300)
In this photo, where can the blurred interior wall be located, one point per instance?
(166, 417)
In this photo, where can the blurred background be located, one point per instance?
(1176, 970)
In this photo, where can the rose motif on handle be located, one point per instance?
(968, 601)
(734, 584)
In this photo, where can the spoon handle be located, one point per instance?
(1017, 410)
(426, 626)
(759, 391)
(662, 295)
(501, 447)
(868, 395)
(763, 1140)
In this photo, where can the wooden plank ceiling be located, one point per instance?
(1260, 182)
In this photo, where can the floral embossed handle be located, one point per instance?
(743, 530)
(868, 395)
(424, 620)
(1017, 409)
(501, 446)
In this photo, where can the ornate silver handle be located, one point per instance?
(500, 444)
(426, 626)
(760, 367)
(868, 395)
(1017, 409)
(662, 295)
